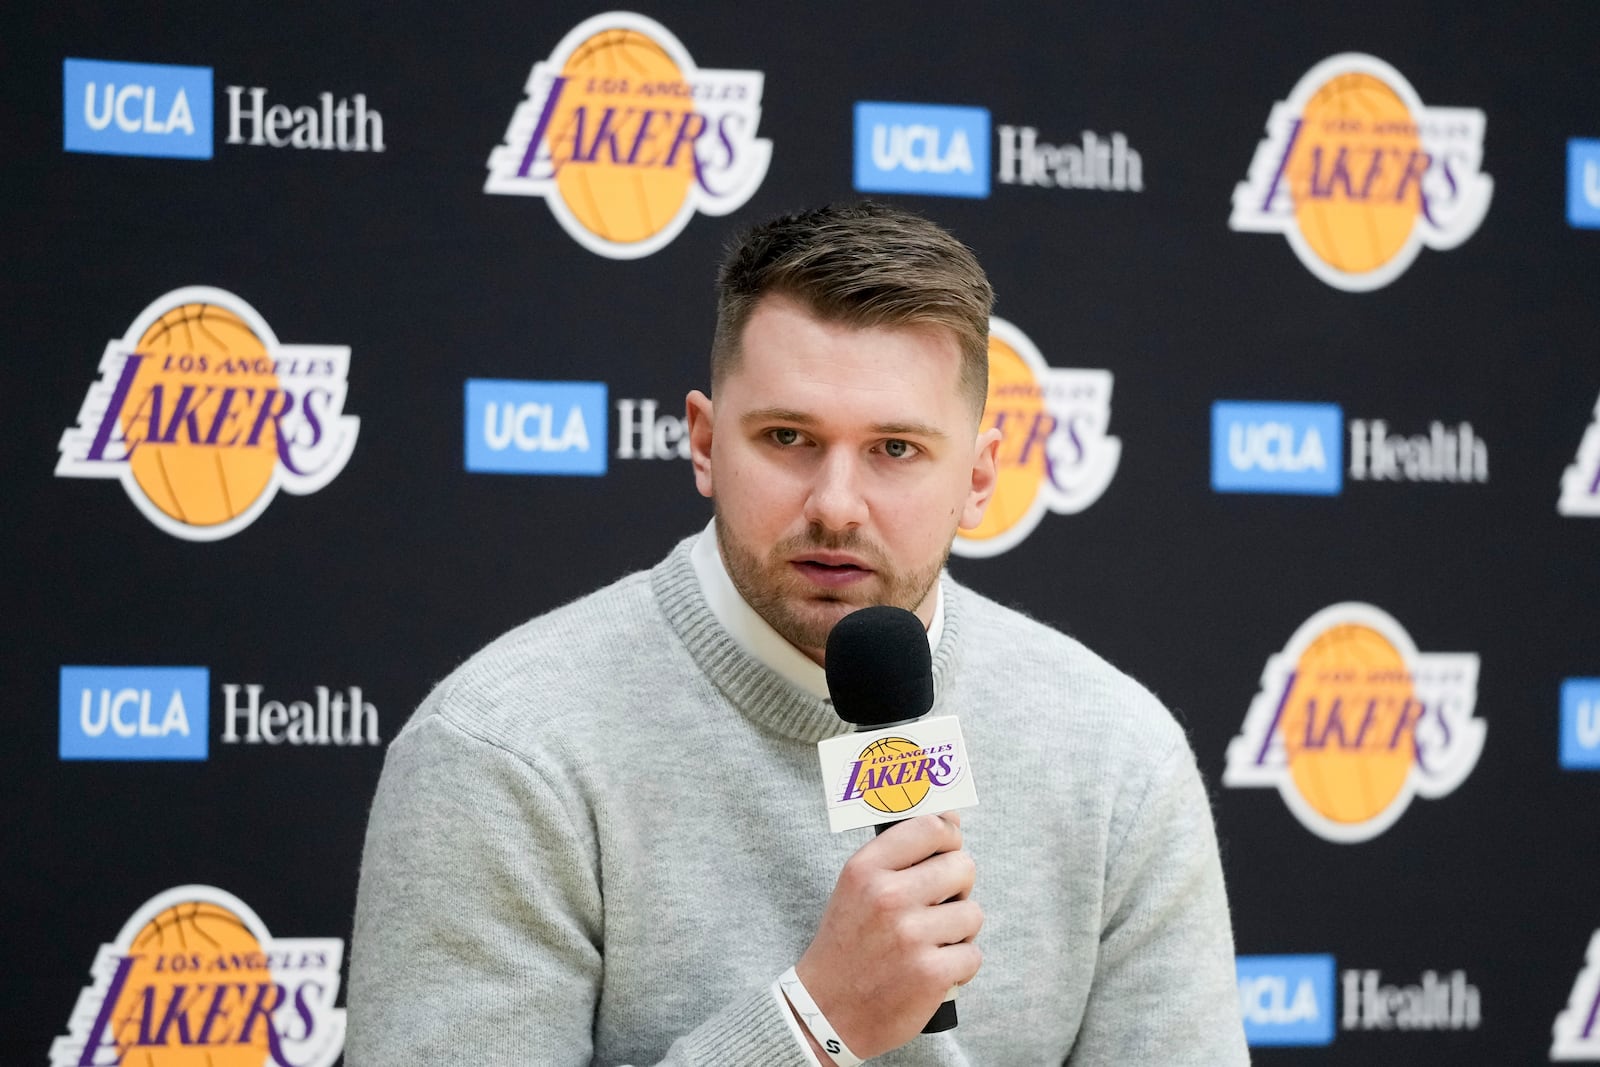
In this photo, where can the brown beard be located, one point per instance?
(775, 592)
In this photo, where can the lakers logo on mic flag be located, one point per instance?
(897, 772)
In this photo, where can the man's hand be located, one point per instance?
(896, 936)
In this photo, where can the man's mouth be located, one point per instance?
(831, 570)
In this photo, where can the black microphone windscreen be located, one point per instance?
(879, 667)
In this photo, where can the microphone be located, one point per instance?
(880, 673)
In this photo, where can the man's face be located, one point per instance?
(841, 462)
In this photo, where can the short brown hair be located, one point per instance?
(863, 264)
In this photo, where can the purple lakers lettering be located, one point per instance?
(630, 136)
(936, 766)
(213, 1015)
(168, 412)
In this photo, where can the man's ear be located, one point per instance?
(985, 472)
(698, 409)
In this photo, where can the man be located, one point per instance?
(602, 838)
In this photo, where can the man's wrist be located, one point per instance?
(825, 1042)
(816, 1046)
(803, 1037)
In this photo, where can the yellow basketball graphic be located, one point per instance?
(1357, 195)
(620, 186)
(1347, 767)
(890, 798)
(173, 954)
(193, 460)
(1016, 403)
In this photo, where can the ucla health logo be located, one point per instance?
(625, 138)
(1580, 484)
(536, 427)
(935, 149)
(203, 415)
(1583, 183)
(135, 713)
(1577, 1029)
(153, 109)
(136, 109)
(1056, 454)
(1286, 1000)
(163, 713)
(194, 976)
(1360, 176)
(1276, 448)
(1352, 722)
(1580, 724)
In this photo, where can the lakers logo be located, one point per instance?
(203, 416)
(626, 138)
(1055, 453)
(1352, 722)
(195, 980)
(1360, 176)
(895, 774)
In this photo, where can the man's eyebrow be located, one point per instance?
(909, 429)
(801, 418)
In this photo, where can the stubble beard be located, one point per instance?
(801, 613)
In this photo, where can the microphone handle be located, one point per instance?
(944, 1018)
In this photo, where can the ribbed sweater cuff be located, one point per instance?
(750, 1030)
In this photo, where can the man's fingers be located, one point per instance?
(941, 877)
(960, 962)
(908, 843)
(955, 923)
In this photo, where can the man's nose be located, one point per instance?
(836, 501)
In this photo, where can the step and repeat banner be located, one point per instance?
(340, 339)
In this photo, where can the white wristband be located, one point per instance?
(790, 985)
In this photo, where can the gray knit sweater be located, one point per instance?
(601, 839)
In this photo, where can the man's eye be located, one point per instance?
(895, 448)
(786, 436)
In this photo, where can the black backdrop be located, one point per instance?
(406, 562)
